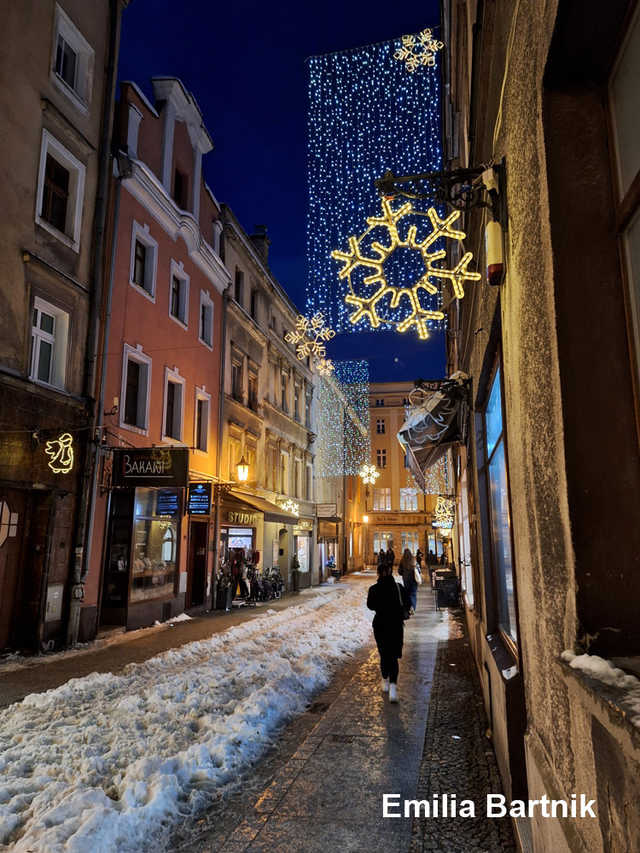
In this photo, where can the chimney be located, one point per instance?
(261, 242)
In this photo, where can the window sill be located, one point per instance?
(150, 296)
(59, 235)
(70, 93)
(179, 322)
(205, 344)
(49, 386)
(136, 429)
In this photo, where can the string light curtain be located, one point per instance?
(367, 114)
(343, 444)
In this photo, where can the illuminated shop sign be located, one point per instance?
(150, 466)
(199, 502)
(246, 518)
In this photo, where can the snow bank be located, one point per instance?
(604, 671)
(107, 762)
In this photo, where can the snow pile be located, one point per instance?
(604, 671)
(107, 762)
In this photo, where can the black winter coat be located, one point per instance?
(385, 598)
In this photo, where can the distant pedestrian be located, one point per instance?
(431, 559)
(407, 569)
(385, 598)
(391, 556)
(443, 559)
(382, 558)
(419, 558)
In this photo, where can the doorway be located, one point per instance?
(197, 564)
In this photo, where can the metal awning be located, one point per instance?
(272, 512)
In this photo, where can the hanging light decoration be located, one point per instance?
(366, 252)
(418, 51)
(443, 514)
(290, 506)
(309, 336)
(369, 474)
(61, 452)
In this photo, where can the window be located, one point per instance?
(136, 382)
(381, 539)
(234, 456)
(380, 401)
(181, 189)
(239, 286)
(155, 537)
(381, 457)
(408, 500)
(173, 404)
(493, 475)
(254, 304)
(411, 540)
(296, 401)
(236, 377)
(205, 332)
(382, 499)
(60, 192)
(284, 468)
(283, 391)
(253, 390)
(405, 401)
(380, 426)
(297, 477)
(251, 456)
(144, 255)
(465, 539)
(178, 294)
(49, 340)
(308, 492)
(73, 60)
(201, 420)
(272, 322)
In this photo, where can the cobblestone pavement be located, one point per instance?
(321, 788)
(458, 758)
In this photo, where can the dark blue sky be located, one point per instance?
(244, 62)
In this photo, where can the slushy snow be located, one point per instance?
(627, 686)
(110, 762)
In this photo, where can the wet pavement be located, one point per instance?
(321, 788)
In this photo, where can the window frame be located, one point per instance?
(238, 287)
(201, 396)
(177, 271)
(382, 494)
(59, 339)
(141, 233)
(52, 147)
(135, 354)
(172, 375)
(381, 457)
(406, 492)
(381, 426)
(80, 93)
(207, 301)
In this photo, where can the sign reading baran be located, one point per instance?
(150, 466)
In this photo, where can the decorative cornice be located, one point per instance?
(145, 187)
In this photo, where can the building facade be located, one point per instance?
(550, 479)
(56, 117)
(152, 538)
(398, 510)
(267, 416)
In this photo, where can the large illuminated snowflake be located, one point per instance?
(443, 514)
(369, 473)
(420, 50)
(409, 295)
(309, 336)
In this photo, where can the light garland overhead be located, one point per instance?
(367, 253)
(309, 336)
(290, 506)
(369, 474)
(418, 51)
(343, 442)
(366, 115)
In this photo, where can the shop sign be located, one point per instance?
(167, 502)
(199, 501)
(248, 519)
(327, 510)
(304, 525)
(150, 466)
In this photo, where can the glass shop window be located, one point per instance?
(156, 529)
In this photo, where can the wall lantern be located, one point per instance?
(243, 470)
(365, 519)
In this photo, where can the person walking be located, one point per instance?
(407, 570)
(391, 556)
(419, 558)
(385, 598)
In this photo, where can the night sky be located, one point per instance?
(245, 64)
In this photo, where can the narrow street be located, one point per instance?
(272, 734)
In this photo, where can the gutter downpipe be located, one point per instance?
(216, 517)
(85, 509)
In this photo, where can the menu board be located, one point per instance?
(199, 501)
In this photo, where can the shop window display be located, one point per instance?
(155, 543)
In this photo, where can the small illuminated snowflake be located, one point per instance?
(369, 473)
(419, 316)
(309, 336)
(418, 51)
(324, 366)
(290, 506)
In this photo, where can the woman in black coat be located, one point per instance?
(385, 598)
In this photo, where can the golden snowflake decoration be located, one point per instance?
(309, 336)
(290, 506)
(324, 366)
(419, 316)
(369, 473)
(418, 51)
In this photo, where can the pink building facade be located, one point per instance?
(152, 532)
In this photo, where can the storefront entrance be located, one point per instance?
(197, 564)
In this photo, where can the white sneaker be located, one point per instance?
(393, 693)
(385, 685)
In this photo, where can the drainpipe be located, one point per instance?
(89, 467)
(216, 517)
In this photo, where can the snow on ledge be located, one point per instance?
(628, 686)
